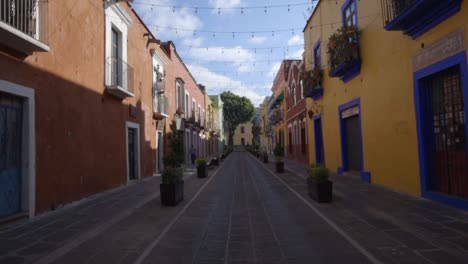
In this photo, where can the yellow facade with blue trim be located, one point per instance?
(375, 102)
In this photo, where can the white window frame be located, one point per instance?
(187, 106)
(117, 18)
(28, 155)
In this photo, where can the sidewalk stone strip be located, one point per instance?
(243, 213)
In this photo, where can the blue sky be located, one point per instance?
(244, 63)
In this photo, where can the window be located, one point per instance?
(187, 107)
(118, 73)
(290, 141)
(116, 49)
(242, 130)
(318, 55)
(194, 108)
(179, 94)
(350, 14)
(294, 94)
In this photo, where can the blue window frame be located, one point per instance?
(349, 10)
(317, 55)
(425, 127)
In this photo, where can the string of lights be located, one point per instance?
(240, 48)
(220, 10)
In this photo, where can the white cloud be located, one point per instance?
(297, 54)
(216, 83)
(237, 56)
(224, 4)
(258, 40)
(193, 42)
(274, 69)
(179, 18)
(296, 40)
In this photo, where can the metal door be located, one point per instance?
(447, 155)
(132, 155)
(10, 154)
(353, 143)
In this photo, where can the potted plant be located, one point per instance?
(318, 184)
(201, 168)
(279, 154)
(172, 186)
(265, 157)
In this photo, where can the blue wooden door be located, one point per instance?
(10, 155)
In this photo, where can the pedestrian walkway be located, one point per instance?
(392, 225)
(243, 212)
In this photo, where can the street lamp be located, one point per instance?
(180, 122)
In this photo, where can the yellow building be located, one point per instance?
(394, 90)
(264, 124)
(276, 111)
(243, 135)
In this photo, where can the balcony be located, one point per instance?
(416, 17)
(277, 116)
(201, 120)
(312, 83)
(344, 54)
(160, 107)
(193, 119)
(119, 81)
(23, 25)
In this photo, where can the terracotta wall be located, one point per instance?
(80, 129)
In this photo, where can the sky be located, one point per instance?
(226, 44)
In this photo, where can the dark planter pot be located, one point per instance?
(216, 161)
(279, 166)
(201, 171)
(172, 193)
(265, 159)
(321, 192)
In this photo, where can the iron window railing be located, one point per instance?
(343, 48)
(27, 16)
(392, 9)
(120, 74)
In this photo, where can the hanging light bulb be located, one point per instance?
(242, 10)
(196, 10)
(173, 9)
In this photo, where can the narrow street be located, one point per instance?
(242, 213)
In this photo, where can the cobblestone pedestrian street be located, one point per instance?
(243, 213)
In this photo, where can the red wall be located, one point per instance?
(80, 129)
(296, 114)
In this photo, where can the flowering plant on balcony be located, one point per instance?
(343, 48)
(312, 80)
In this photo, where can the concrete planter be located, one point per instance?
(279, 166)
(172, 193)
(201, 171)
(321, 192)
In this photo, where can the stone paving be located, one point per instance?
(243, 213)
(395, 227)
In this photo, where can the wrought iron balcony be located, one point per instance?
(415, 17)
(194, 118)
(120, 77)
(312, 83)
(23, 25)
(344, 54)
(160, 107)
